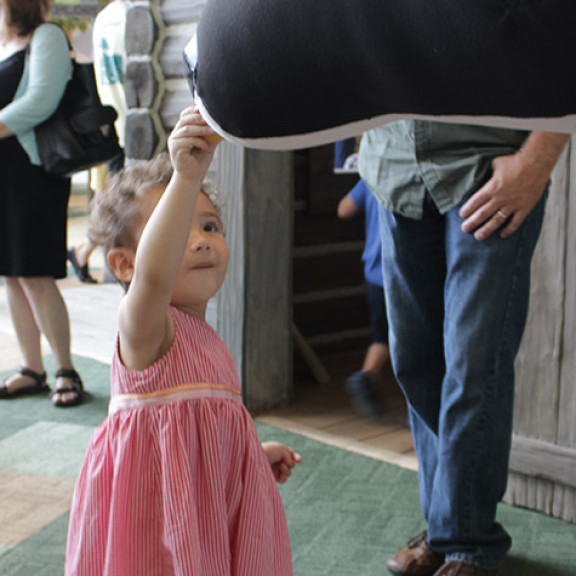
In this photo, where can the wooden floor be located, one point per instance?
(318, 411)
(323, 412)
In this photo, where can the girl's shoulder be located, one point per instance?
(184, 321)
(187, 328)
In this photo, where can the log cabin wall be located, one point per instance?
(253, 308)
(144, 81)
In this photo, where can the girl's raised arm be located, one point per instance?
(146, 330)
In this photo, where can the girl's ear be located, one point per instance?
(121, 262)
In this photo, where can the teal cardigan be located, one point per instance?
(47, 70)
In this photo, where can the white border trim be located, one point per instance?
(565, 124)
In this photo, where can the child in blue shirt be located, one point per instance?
(362, 385)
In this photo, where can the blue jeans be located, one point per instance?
(457, 310)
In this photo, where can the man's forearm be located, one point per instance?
(540, 153)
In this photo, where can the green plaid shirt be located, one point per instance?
(403, 160)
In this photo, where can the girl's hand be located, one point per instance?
(281, 459)
(192, 144)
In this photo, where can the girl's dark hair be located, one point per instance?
(114, 214)
(26, 15)
(115, 211)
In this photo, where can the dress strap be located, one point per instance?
(176, 394)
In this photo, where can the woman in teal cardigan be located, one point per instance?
(35, 67)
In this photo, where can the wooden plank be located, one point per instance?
(227, 174)
(175, 99)
(399, 441)
(141, 136)
(564, 504)
(539, 459)
(546, 396)
(342, 341)
(141, 31)
(532, 493)
(326, 316)
(326, 228)
(541, 495)
(84, 10)
(538, 363)
(365, 429)
(179, 11)
(170, 57)
(567, 397)
(403, 460)
(301, 167)
(328, 271)
(268, 314)
(312, 360)
(141, 85)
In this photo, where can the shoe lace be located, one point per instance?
(417, 540)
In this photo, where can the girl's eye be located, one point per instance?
(211, 227)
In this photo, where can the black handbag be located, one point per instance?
(81, 133)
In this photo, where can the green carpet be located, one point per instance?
(346, 513)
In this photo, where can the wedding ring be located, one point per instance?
(502, 215)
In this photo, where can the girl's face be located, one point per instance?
(205, 261)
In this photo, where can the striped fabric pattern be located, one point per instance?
(178, 487)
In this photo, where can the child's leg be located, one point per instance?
(377, 354)
(376, 357)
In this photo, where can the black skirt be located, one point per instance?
(33, 216)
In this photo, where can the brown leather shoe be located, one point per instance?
(416, 558)
(455, 568)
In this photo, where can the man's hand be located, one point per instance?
(281, 459)
(517, 183)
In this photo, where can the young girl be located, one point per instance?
(175, 481)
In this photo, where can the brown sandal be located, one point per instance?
(38, 387)
(75, 387)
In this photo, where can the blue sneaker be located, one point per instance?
(363, 396)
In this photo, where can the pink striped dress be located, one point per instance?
(175, 481)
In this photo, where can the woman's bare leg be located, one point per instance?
(27, 333)
(52, 318)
